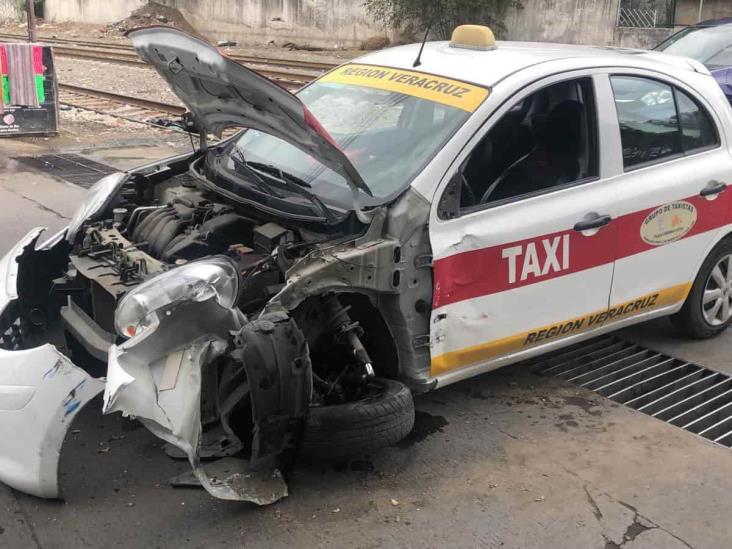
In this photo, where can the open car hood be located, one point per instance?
(222, 94)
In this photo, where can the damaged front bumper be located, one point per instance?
(41, 391)
(158, 379)
(163, 378)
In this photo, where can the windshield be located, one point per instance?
(388, 136)
(709, 45)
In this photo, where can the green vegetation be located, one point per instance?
(442, 15)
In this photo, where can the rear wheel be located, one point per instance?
(708, 309)
(383, 416)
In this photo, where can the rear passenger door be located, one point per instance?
(671, 194)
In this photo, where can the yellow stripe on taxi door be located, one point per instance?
(468, 356)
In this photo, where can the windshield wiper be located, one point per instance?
(284, 176)
(299, 186)
(242, 165)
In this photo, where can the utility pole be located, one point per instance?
(701, 10)
(31, 16)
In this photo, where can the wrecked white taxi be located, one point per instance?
(404, 222)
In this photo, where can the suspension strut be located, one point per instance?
(348, 331)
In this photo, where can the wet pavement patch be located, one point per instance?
(583, 403)
(73, 168)
(424, 425)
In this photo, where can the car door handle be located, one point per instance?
(712, 188)
(594, 223)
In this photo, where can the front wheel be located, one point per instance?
(708, 308)
(383, 416)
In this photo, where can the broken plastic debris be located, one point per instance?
(231, 477)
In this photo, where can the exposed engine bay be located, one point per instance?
(261, 370)
(183, 224)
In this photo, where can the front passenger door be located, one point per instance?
(530, 261)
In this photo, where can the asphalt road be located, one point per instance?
(503, 460)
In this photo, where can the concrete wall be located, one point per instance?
(577, 22)
(328, 23)
(687, 11)
(644, 39)
(90, 11)
(566, 21)
(9, 10)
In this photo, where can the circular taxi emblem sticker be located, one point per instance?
(668, 223)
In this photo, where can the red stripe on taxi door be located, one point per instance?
(487, 271)
(711, 214)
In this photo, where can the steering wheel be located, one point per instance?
(467, 196)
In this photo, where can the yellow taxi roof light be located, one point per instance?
(473, 37)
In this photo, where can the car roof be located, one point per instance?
(714, 22)
(490, 67)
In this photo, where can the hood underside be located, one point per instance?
(222, 94)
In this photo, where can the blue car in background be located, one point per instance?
(709, 42)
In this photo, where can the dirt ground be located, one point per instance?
(126, 80)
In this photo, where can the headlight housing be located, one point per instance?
(141, 309)
(96, 200)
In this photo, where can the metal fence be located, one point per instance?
(647, 14)
(639, 18)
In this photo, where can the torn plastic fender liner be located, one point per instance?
(41, 392)
(272, 360)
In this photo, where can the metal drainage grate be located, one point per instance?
(681, 393)
(71, 167)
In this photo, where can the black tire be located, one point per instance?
(690, 319)
(344, 430)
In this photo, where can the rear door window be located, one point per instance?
(658, 121)
(649, 129)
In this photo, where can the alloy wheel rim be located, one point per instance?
(717, 296)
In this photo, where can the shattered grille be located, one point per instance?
(71, 167)
(681, 393)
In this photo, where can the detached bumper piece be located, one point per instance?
(41, 392)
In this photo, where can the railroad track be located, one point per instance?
(132, 109)
(289, 73)
(291, 80)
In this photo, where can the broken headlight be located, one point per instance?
(140, 310)
(95, 201)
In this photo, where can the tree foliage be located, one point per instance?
(442, 15)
